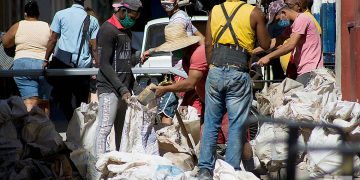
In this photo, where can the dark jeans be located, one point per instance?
(70, 93)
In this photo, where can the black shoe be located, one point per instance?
(204, 174)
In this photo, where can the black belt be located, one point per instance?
(230, 46)
(231, 66)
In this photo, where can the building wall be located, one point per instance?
(338, 44)
(350, 49)
(11, 11)
(325, 13)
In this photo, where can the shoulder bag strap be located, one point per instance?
(83, 37)
(228, 24)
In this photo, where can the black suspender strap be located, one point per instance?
(228, 24)
(83, 37)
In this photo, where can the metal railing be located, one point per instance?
(83, 72)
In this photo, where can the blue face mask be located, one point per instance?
(284, 23)
(127, 22)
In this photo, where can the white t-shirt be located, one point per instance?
(182, 17)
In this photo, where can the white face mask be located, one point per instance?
(168, 6)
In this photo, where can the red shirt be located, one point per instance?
(197, 62)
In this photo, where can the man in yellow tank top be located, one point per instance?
(229, 41)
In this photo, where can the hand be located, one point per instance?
(146, 55)
(183, 110)
(160, 90)
(263, 61)
(93, 77)
(45, 64)
(126, 97)
(257, 50)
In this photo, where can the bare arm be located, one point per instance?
(181, 86)
(93, 51)
(51, 44)
(9, 38)
(257, 20)
(282, 50)
(208, 41)
(287, 47)
(275, 43)
(202, 40)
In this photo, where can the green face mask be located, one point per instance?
(127, 22)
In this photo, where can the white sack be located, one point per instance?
(344, 110)
(274, 96)
(265, 148)
(324, 84)
(181, 160)
(328, 161)
(126, 160)
(224, 170)
(171, 139)
(138, 134)
(121, 165)
(81, 135)
(81, 130)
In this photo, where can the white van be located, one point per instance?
(161, 62)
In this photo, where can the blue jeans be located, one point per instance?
(31, 86)
(226, 88)
(168, 105)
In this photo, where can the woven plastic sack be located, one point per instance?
(138, 134)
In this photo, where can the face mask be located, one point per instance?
(284, 23)
(168, 6)
(127, 22)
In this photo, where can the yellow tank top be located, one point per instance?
(241, 24)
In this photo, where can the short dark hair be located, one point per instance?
(309, 3)
(32, 9)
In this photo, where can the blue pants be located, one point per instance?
(168, 105)
(226, 88)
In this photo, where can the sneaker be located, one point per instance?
(204, 174)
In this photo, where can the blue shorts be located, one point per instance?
(168, 104)
(31, 86)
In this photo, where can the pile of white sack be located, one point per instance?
(147, 150)
(319, 101)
